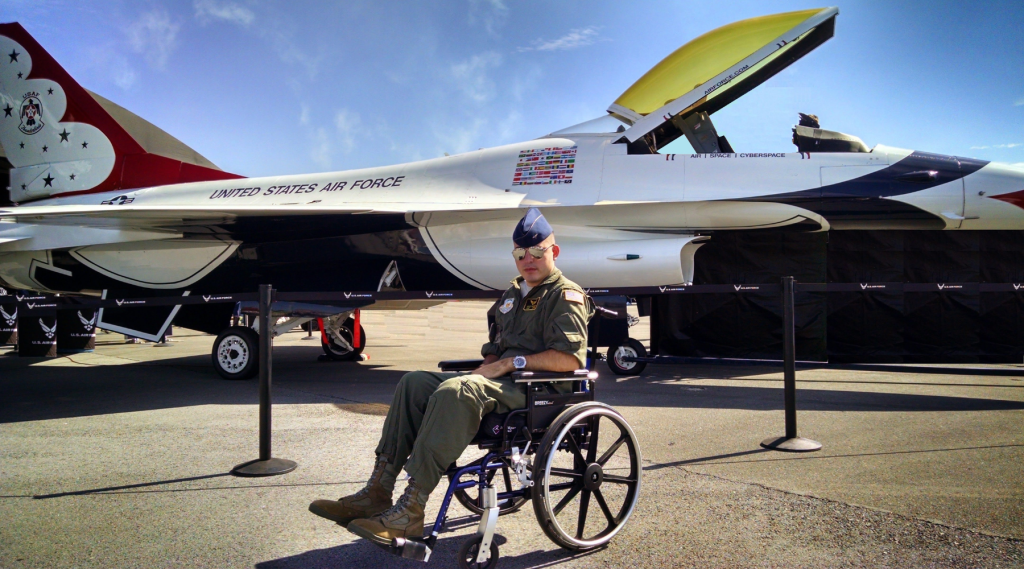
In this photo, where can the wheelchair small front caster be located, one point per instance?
(469, 551)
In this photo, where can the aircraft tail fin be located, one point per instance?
(63, 140)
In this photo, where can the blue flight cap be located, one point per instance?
(532, 229)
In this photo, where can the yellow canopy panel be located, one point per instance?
(714, 60)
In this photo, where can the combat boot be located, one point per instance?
(374, 498)
(404, 519)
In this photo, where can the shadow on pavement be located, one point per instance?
(654, 393)
(51, 392)
(775, 457)
(56, 392)
(363, 554)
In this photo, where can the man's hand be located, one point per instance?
(550, 360)
(496, 368)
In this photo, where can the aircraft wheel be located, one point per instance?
(341, 353)
(236, 353)
(628, 348)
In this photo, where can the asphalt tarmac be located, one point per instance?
(120, 458)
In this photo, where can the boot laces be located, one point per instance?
(378, 471)
(402, 502)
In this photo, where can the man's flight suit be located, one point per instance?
(434, 416)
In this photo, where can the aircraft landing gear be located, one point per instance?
(236, 353)
(628, 348)
(339, 344)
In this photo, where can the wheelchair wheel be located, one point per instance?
(628, 348)
(468, 553)
(507, 481)
(586, 476)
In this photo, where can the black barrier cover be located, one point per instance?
(893, 296)
(76, 331)
(744, 319)
(37, 335)
(943, 311)
(1001, 327)
(8, 324)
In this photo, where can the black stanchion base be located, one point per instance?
(796, 444)
(269, 467)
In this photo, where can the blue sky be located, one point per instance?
(263, 87)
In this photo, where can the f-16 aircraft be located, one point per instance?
(107, 202)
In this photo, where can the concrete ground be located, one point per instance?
(120, 458)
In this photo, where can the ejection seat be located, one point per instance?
(808, 136)
(577, 460)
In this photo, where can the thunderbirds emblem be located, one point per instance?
(87, 324)
(10, 318)
(48, 330)
(31, 114)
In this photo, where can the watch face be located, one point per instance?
(519, 362)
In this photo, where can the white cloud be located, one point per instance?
(1010, 145)
(123, 74)
(347, 123)
(278, 36)
(471, 76)
(321, 151)
(572, 40)
(110, 61)
(304, 114)
(491, 14)
(154, 35)
(458, 139)
(1019, 102)
(209, 10)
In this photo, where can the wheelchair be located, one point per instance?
(576, 460)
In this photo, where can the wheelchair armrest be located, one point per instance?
(459, 365)
(532, 376)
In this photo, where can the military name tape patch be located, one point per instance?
(573, 296)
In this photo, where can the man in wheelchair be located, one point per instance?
(540, 325)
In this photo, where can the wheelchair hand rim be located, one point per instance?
(593, 409)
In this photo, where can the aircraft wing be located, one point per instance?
(156, 217)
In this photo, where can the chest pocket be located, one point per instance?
(504, 320)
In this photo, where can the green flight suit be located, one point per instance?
(434, 416)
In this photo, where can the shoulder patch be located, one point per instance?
(506, 306)
(573, 296)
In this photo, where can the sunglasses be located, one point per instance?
(537, 252)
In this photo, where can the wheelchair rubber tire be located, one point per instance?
(236, 352)
(470, 502)
(586, 477)
(629, 347)
(340, 354)
(468, 551)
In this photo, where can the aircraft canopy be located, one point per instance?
(718, 67)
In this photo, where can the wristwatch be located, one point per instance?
(519, 362)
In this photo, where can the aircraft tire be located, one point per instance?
(236, 353)
(339, 353)
(629, 347)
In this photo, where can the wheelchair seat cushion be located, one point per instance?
(491, 424)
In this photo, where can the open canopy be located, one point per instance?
(716, 68)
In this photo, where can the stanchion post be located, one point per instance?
(791, 442)
(265, 465)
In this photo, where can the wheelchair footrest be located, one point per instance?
(410, 549)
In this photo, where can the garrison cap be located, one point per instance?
(532, 229)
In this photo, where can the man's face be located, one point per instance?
(534, 271)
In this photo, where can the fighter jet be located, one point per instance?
(106, 202)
